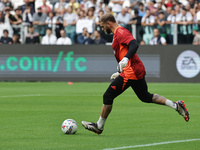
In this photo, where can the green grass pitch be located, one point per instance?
(31, 115)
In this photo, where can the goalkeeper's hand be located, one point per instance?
(114, 75)
(122, 64)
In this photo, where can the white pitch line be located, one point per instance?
(192, 96)
(152, 144)
(31, 95)
(82, 95)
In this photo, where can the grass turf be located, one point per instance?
(31, 115)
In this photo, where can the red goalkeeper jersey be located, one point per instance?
(135, 69)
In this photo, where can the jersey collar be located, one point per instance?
(116, 29)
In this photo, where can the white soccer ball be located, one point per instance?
(69, 126)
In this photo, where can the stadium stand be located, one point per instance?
(175, 19)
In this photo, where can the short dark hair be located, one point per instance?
(141, 4)
(5, 31)
(107, 17)
(84, 28)
(98, 31)
(62, 30)
(136, 12)
(49, 28)
(184, 9)
(30, 26)
(161, 12)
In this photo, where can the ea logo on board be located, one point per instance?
(188, 64)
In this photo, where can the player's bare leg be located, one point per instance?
(179, 106)
(159, 99)
(105, 111)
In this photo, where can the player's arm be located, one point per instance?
(133, 46)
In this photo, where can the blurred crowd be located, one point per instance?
(66, 22)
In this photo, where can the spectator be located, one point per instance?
(5, 24)
(157, 39)
(10, 16)
(32, 2)
(97, 38)
(16, 39)
(89, 4)
(100, 6)
(84, 38)
(60, 5)
(184, 21)
(123, 18)
(83, 4)
(191, 3)
(96, 6)
(59, 21)
(74, 5)
(8, 5)
(151, 7)
(159, 8)
(69, 23)
(39, 21)
(171, 20)
(196, 40)
(134, 4)
(148, 22)
(139, 29)
(45, 8)
(100, 13)
(106, 2)
(27, 16)
(198, 16)
(107, 37)
(63, 40)
(2, 17)
(49, 38)
(141, 10)
(5, 39)
(91, 20)
(117, 6)
(142, 42)
(15, 19)
(26, 6)
(32, 37)
(194, 12)
(51, 20)
(187, 7)
(168, 3)
(177, 9)
(90, 15)
(80, 22)
(108, 10)
(1, 6)
(168, 12)
(161, 21)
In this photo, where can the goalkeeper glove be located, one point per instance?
(114, 75)
(122, 64)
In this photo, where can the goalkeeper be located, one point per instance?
(131, 73)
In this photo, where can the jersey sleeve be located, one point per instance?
(163, 40)
(124, 36)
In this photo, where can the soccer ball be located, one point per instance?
(69, 126)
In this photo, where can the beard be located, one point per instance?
(108, 31)
(40, 14)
